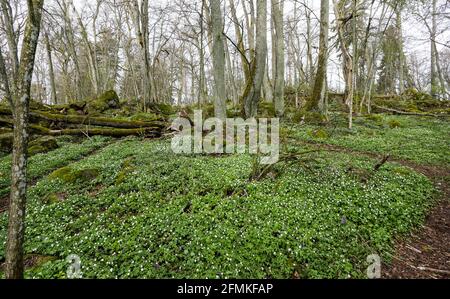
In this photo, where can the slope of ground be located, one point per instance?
(146, 212)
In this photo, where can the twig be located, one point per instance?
(433, 270)
(381, 163)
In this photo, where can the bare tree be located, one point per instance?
(318, 93)
(218, 60)
(252, 94)
(18, 94)
(278, 66)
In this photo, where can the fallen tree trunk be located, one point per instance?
(145, 129)
(407, 113)
(37, 116)
(111, 132)
(96, 121)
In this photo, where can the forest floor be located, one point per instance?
(132, 208)
(432, 259)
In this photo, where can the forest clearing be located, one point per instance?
(117, 159)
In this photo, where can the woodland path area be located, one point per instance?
(425, 253)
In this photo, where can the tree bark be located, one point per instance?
(21, 96)
(252, 94)
(279, 63)
(203, 93)
(347, 60)
(8, 24)
(218, 60)
(320, 80)
(401, 67)
(51, 70)
(240, 42)
(434, 76)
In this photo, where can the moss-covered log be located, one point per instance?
(38, 116)
(111, 132)
(399, 112)
(96, 121)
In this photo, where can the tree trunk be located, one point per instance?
(240, 42)
(141, 24)
(252, 94)
(8, 24)
(203, 93)
(320, 80)
(51, 70)
(279, 63)
(309, 57)
(434, 76)
(347, 61)
(21, 96)
(354, 64)
(401, 71)
(218, 60)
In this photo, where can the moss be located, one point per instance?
(393, 123)
(64, 174)
(165, 109)
(402, 171)
(311, 118)
(42, 145)
(36, 149)
(105, 101)
(47, 142)
(53, 198)
(441, 111)
(233, 112)
(70, 175)
(35, 105)
(375, 117)
(189, 110)
(208, 111)
(144, 117)
(412, 100)
(319, 133)
(128, 167)
(39, 130)
(72, 111)
(267, 110)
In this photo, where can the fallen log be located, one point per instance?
(96, 121)
(37, 116)
(150, 130)
(110, 132)
(394, 111)
(34, 129)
